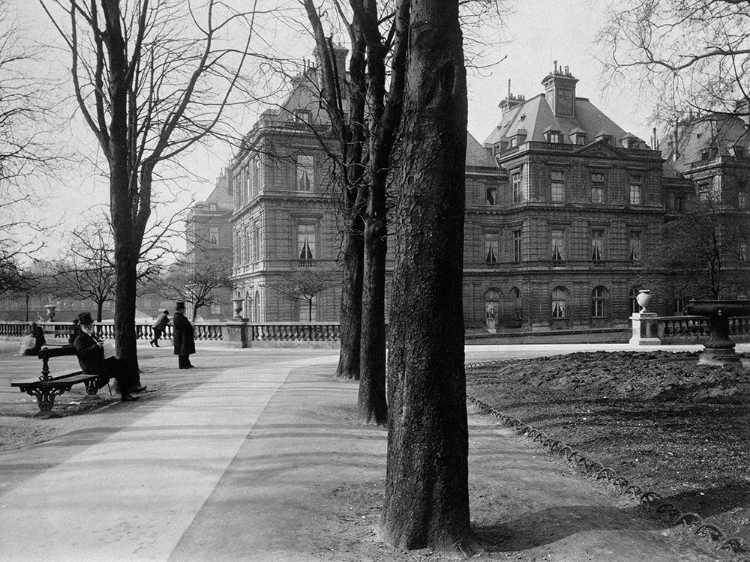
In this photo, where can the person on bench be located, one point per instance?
(90, 353)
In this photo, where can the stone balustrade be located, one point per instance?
(695, 329)
(231, 334)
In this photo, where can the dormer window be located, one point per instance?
(554, 137)
(602, 136)
(302, 116)
(513, 142)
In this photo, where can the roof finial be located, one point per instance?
(555, 63)
(509, 94)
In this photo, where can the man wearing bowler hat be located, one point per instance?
(90, 352)
(182, 337)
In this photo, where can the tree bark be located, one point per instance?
(351, 304)
(371, 401)
(426, 495)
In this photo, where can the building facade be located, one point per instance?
(286, 234)
(563, 208)
(209, 245)
(561, 244)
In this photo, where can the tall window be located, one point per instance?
(516, 236)
(597, 245)
(255, 170)
(244, 245)
(597, 187)
(213, 235)
(491, 196)
(308, 309)
(559, 302)
(599, 298)
(634, 244)
(515, 180)
(490, 248)
(558, 245)
(237, 248)
(636, 180)
(256, 244)
(306, 241)
(305, 172)
(515, 299)
(558, 186)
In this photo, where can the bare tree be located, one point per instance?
(151, 80)
(198, 284)
(705, 251)
(305, 285)
(89, 273)
(426, 495)
(693, 54)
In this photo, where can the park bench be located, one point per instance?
(48, 386)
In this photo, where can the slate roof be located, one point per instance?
(536, 116)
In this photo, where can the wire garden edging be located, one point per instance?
(649, 499)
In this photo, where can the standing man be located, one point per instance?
(182, 337)
(90, 352)
(162, 321)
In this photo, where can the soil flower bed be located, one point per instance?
(658, 419)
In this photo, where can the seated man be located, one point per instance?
(90, 352)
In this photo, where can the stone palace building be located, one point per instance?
(562, 208)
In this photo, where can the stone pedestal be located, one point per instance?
(645, 328)
(237, 335)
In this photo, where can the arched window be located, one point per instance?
(559, 302)
(599, 302)
(256, 309)
(492, 305)
(517, 304)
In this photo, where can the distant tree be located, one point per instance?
(704, 251)
(305, 284)
(198, 284)
(88, 273)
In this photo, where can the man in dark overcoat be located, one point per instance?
(90, 353)
(182, 337)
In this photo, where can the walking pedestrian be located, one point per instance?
(162, 321)
(183, 337)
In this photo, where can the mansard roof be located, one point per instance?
(706, 138)
(476, 155)
(535, 116)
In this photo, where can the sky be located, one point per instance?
(534, 35)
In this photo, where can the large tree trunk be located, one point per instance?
(426, 495)
(371, 401)
(351, 304)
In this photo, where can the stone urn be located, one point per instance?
(237, 307)
(50, 311)
(643, 299)
(719, 349)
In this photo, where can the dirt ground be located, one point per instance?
(657, 419)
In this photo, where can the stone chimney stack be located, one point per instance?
(511, 101)
(560, 91)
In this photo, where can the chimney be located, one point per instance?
(339, 60)
(560, 91)
(511, 101)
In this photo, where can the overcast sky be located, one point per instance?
(536, 33)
